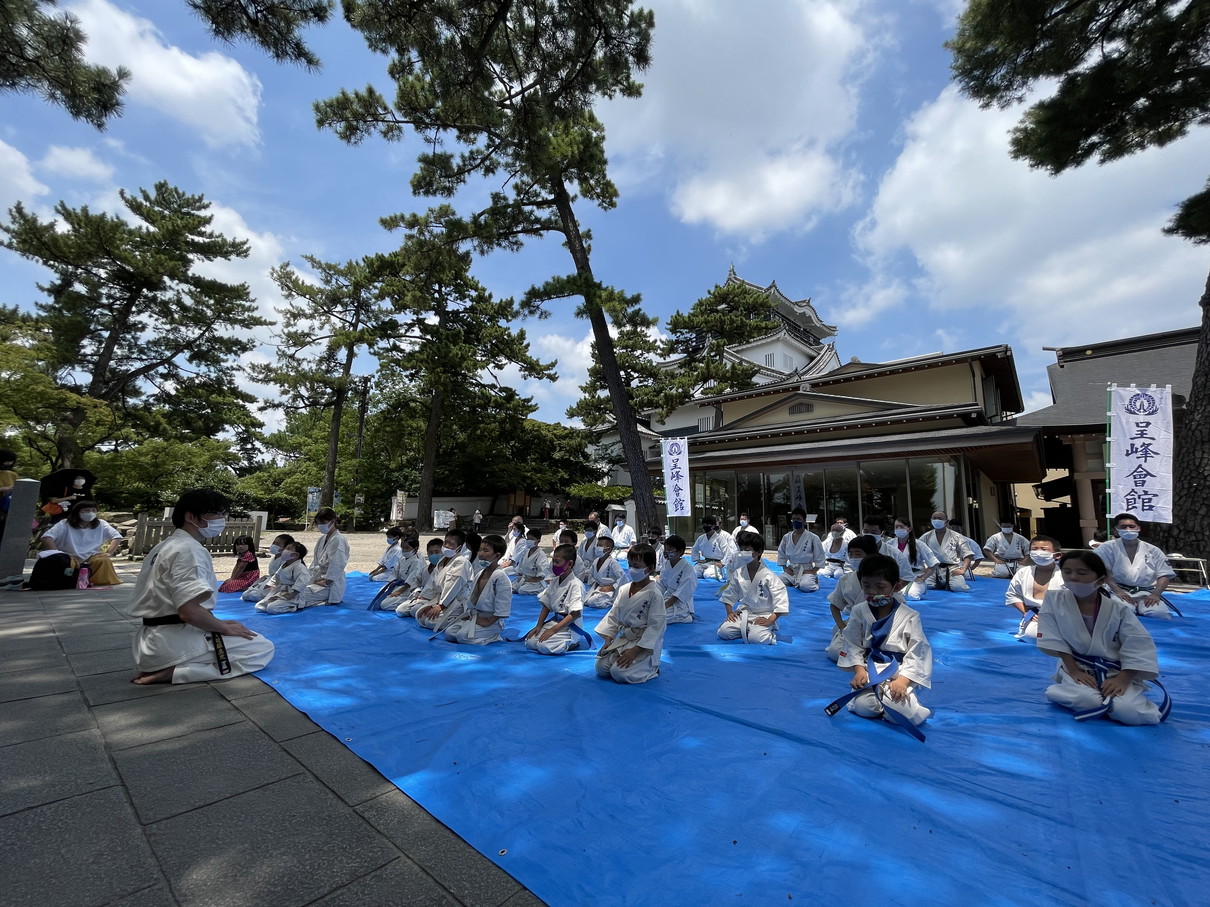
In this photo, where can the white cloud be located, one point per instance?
(750, 152)
(76, 163)
(17, 180)
(573, 356)
(210, 93)
(267, 250)
(992, 246)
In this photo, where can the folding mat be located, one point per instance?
(723, 780)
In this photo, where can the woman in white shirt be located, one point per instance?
(89, 540)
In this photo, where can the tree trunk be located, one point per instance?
(1189, 533)
(619, 394)
(340, 395)
(428, 463)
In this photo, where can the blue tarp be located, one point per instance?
(723, 779)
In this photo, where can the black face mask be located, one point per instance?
(707, 527)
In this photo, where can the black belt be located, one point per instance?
(833, 560)
(162, 621)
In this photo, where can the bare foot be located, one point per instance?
(164, 675)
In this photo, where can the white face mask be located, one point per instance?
(275, 550)
(743, 558)
(619, 523)
(1081, 590)
(837, 533)
(529, 543)
(637, 574)
(1128, 535)
(448, 552)
(938, 524)
(901, 533)
(1042, 558)
(854, 563)
(483, 562)
(1007, 530)
(77, 483)
(213, 528)
(88, 516)
(323, 528)
(743, 522)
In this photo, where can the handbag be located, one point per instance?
(52, 509)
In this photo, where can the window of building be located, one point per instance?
(705, 423)
(770, 359)
(797, 409)
(787, 362)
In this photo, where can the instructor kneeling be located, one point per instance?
(180, 640)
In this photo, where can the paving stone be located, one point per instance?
(183, 711)
(54, 768)
(524, 898)
(23, 627)
(171, 776)
(84, 850)
(33, 658)
(36, 682)
(353, 779)
(286, 843)
(471, 877)
(241, 687)
(398, 884)
(101, 689)
(276, 717)
(45, 716)
(104, 662)
(155, 896)
(75, 644)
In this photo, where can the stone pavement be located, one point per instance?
(197, 794)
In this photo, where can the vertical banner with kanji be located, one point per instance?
(1140, 452)
(676, 476)
(798, 496)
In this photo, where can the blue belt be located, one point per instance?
(382, 594)
(876, 678)
(575, 628)
(1100, 668)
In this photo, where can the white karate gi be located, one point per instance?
(925, 558)
(389, 559)
(1021, 591)
(415, 598)
(846, 594)
(262, 586)
(512, 552)
(533, 570)
(605, 571)
(1142, 573)
(907, 640)
(678, 581)
(796, 558)
(494, 600)
(951, 550)
(176, 571)
(753, 597)
(562, 597)
(586, 553)
(402, 580)
(836, 556)
(889, 548)
(636, 619)
(1012, 549)
(623, 536)
(738, 529)
(720, 547)
(449, 586)
(331, 556)
(289, 585)
(1116, 636)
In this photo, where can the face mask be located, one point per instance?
(797, 524)
(483, 562)
(434, 558)
(78, 483)
(743, 522)
(707, 528)
(558, 569)
(391, 542)
(880, 601)
(1007, 530)
(213, 528)
(88, 515)
(637, 574)
(837, 534)
(323, 528)
(872, 533)
(1081, 590)
(589, 534)
(619, 523)
(1128, 535)
(743, 558)
(854, 563)
(901, 533)
(938, 524)
(448, 552)
(1042, 558)
(275, 550)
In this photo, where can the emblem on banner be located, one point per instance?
(1142, 405)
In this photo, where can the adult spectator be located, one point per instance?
(88, 540)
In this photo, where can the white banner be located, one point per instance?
(398, 503)
(1140, 452)
(798, 497)
(676, 476)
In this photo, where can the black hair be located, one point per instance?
(752, 540)
(7, 455)
(394, 532)
(567, 552)
(798, 511)
(565, 533)
(197, 502)
(605, 537)
(1089, 559)
(911, 538)
(284, 535)
(456, 534)
(73, 514)
(864, 544)
(434, 543)
(1118, 517)
(875, 520)
(244, 540)
(1046, 538)
(410, 537)
(300, 548)
(535, 534)
(878, 566)
(497, 543)
(675, 543)
(642, 553)
(326, 515)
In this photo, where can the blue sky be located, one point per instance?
(816, 143)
